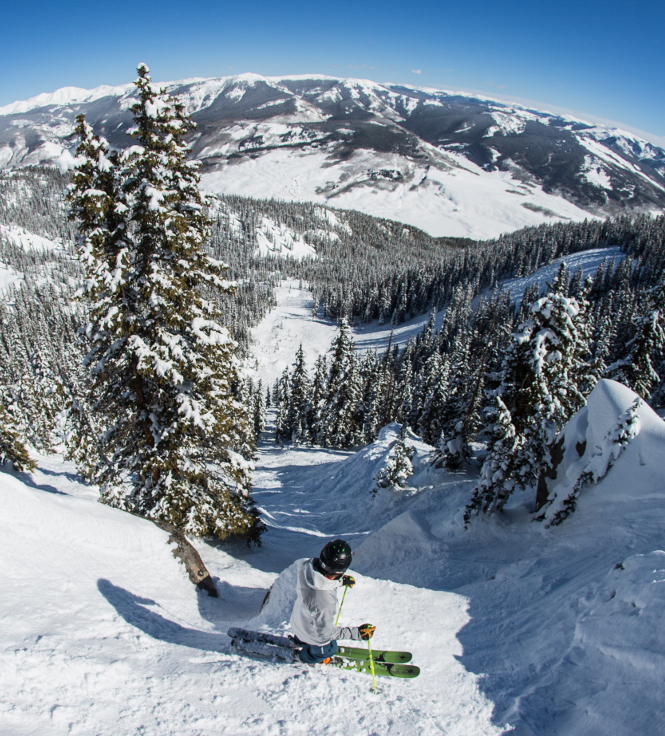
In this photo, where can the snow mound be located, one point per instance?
(625, 472)
(396, 546)
(356, 476)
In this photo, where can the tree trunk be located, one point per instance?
(190, 558)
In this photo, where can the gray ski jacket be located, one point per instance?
(313, 617)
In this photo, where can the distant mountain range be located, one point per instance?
(448, 163)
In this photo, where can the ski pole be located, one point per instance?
(339, 613)
(371, 663)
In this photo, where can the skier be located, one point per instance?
(313, 617)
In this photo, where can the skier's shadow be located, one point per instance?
(134, 610)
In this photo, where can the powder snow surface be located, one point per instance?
(103, 633)
(546, 631)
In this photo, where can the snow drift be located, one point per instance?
(616, 430)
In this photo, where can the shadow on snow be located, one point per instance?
(234, 606)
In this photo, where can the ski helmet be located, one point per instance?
(335, 557)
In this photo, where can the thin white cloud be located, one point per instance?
(416, 71)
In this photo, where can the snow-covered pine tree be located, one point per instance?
(12, 447)
(162, 367)
(497, 477)
(341, 422)
(472, 357)
(299, 410)
(379, 400)
(374, 394)
(316, 403)
(636, 369)
(403, 383)
(259, 410)
(540, 388)
(397, 468)
(430, 421)
(282, 399)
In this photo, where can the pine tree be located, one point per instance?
(397, 468)
(162, 367)
(316, 403)
(430, 421)
(12, 447)
(474, 354)
(498, 475)
(259, 410)
(341, 421)
(540, 388)
(374, 395)
(299, 412)
(282, 398)
(636, 369)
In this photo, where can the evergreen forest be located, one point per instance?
(491, 379)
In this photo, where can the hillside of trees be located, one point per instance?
(451, 385)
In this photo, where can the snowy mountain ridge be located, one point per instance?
(450, 163)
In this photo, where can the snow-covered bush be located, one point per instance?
(397, 467)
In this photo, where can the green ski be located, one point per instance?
(382, 669)
(380, 655)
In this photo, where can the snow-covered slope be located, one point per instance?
(8, 276)
(550, 631)
(586, 261)
(563, 619)
(103, 633)
(563, 625)
(451, 164)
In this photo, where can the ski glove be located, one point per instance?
(348, 580)
(366, 631)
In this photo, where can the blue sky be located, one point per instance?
(603, 59)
